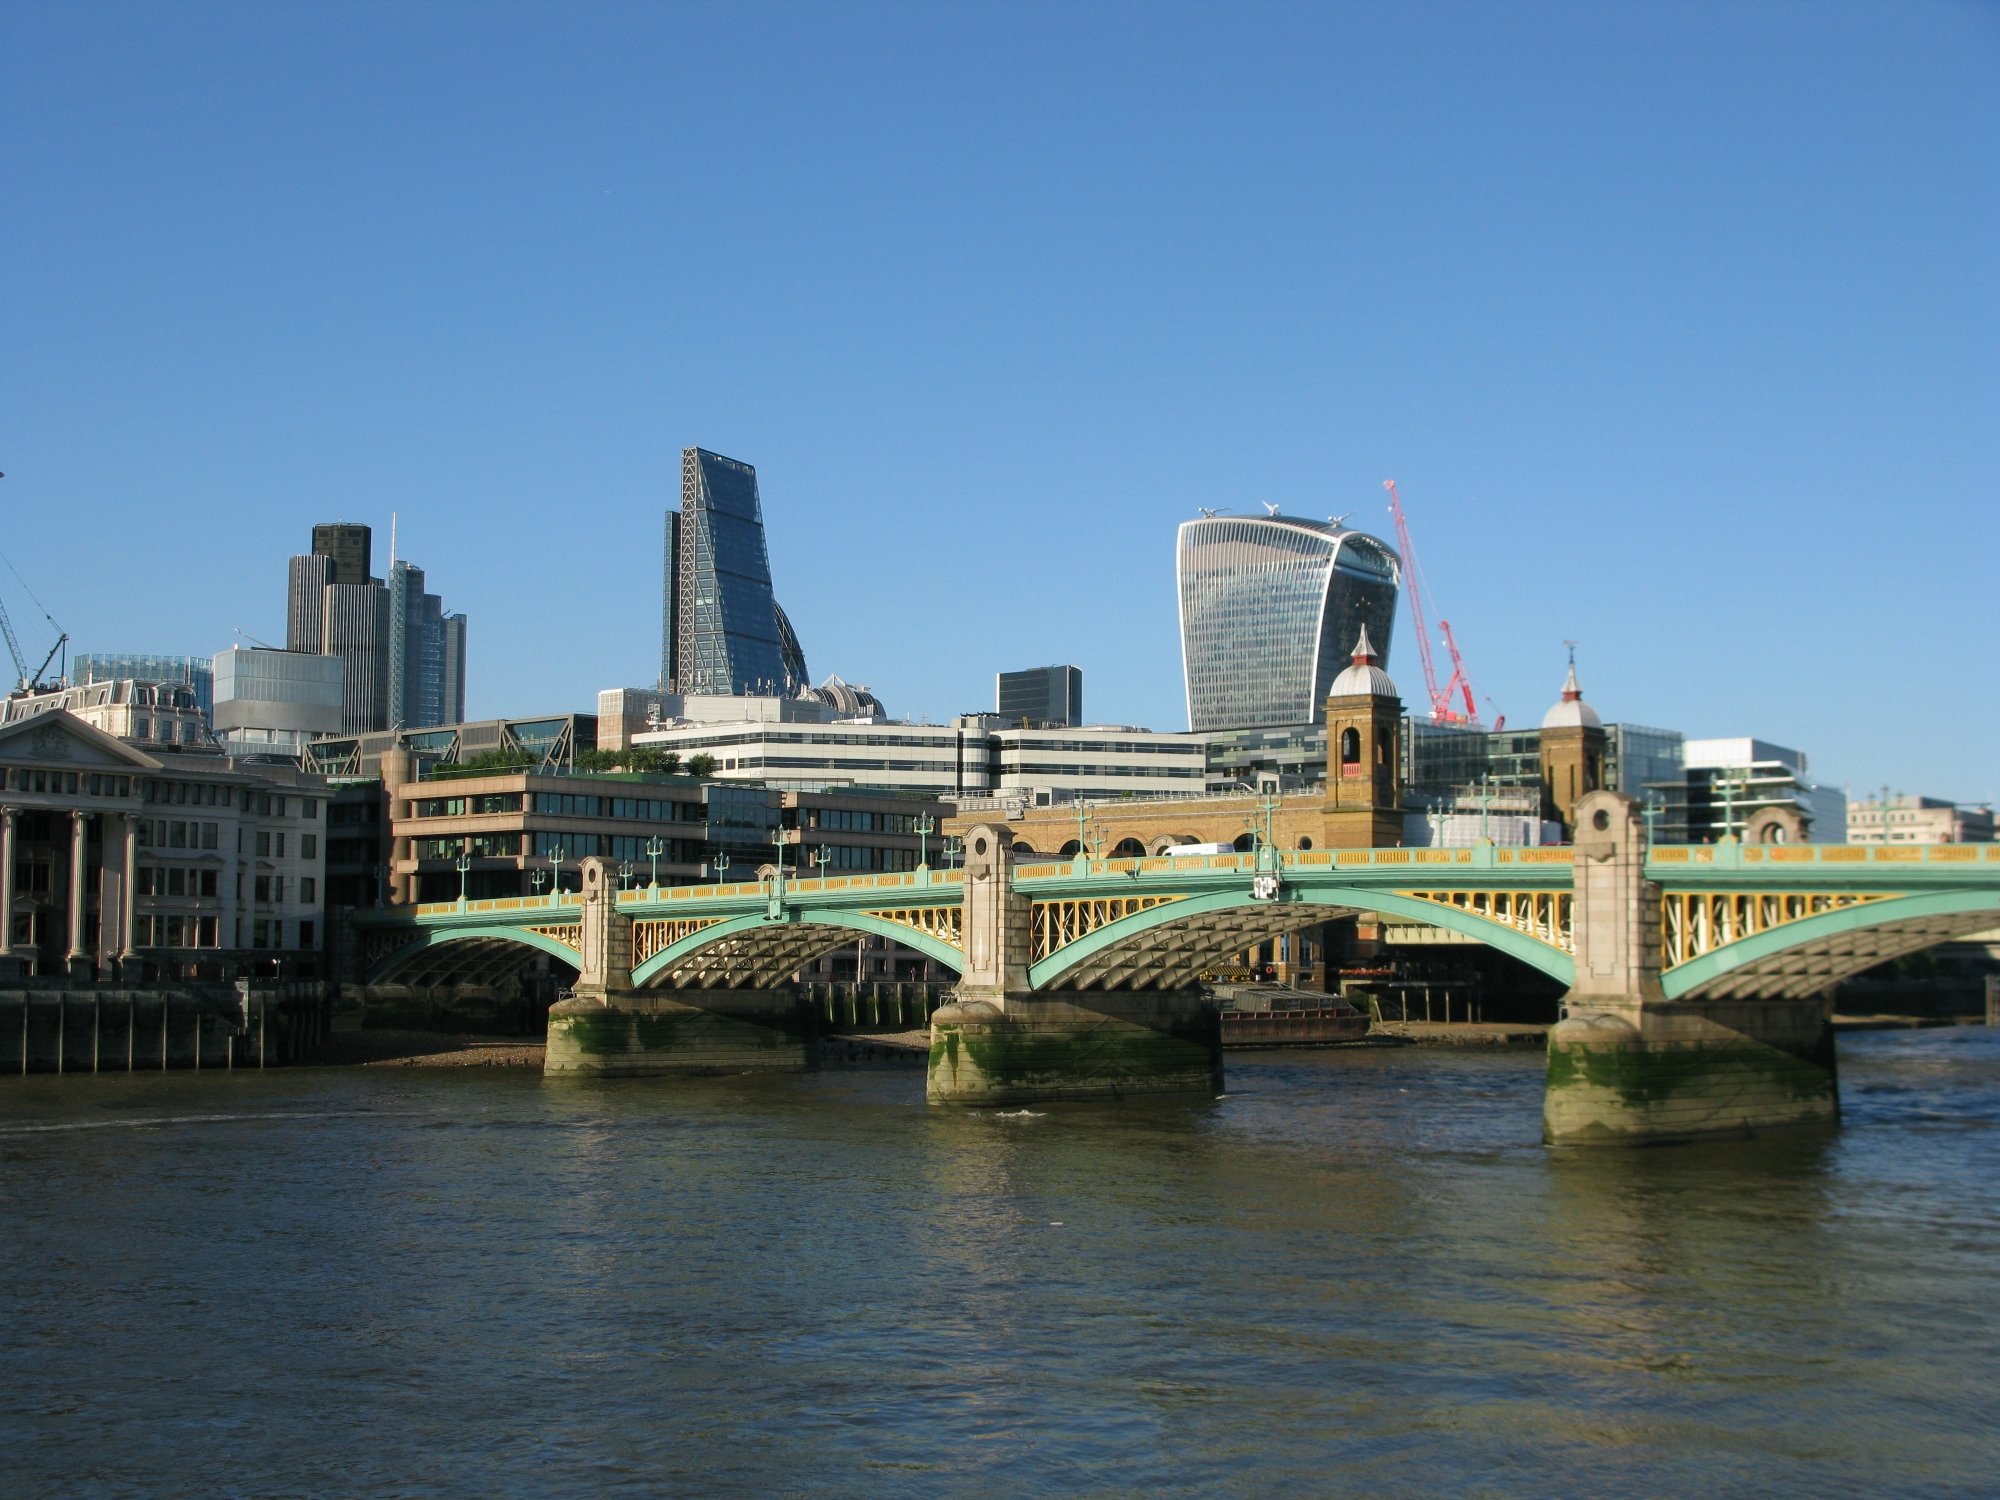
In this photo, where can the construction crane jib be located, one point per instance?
(1460, 684)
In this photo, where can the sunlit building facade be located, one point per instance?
(1270, 609)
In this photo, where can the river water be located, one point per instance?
(1356, 1274)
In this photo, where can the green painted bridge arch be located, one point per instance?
(1178, 940)
(1812, 953)
(383, 968)
(1792, 919)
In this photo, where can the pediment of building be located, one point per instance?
(60, 738)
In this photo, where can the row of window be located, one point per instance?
(176, 833)
(176, 880)
(626, 809)
(72, 783)
(858, 820)
(243, 799)
(183, 930)
(459, 807)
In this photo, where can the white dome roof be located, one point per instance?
(1362, 675)
(1572, 712)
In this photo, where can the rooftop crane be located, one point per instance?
(1459, 684)
(29, 681)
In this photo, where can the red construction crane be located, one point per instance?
(1459, 684)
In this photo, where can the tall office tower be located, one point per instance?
(357, 631)
(403, 656)
(347, 544)
(452, 700)
(670, 601)
(1040, 697)
(426, 654)
(722, 631)
(305, 603)
(1270, 609)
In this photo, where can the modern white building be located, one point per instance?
(1726, 780)
(270, 702)
(804, 744)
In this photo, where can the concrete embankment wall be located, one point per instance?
(54, 1030)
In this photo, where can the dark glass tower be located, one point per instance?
(722, 630)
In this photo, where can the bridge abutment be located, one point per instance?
(610, 1029)
(1626, 1065)
(1030, 1049)
(642, 1033)
(999, 1041)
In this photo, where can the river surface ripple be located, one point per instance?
(1358, 1273)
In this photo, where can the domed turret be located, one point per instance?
(1363, 675)
(1572, 712)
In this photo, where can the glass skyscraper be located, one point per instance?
(1270, 609)
(722, 631)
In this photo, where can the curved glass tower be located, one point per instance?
(1270, 609)
(721, 631)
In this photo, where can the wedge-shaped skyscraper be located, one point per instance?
(1270, 609)
(721, 631)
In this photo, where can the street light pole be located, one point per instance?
(464, 866)
(655, 847)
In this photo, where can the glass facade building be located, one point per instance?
(1270, 609)
(1040, 695)
(722, 630)
(113, 666)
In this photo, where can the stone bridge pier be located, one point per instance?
(1627, 1065)
(610, 1029)
(1000, 1041)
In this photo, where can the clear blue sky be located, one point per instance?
(1677, 324)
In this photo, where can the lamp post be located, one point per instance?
(925, 825)
(1728, 784)
(1485, 808)
(1651, 810)
(556, 858)
(464, 865)
(655, 847)
(721, 866)
(381, 885)
(821, 858)
(953, 847)
(539, 879)
(625, 874)
(1082, 828)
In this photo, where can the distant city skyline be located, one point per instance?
(403, 657)
(1677, 327)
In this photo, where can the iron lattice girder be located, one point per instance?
(1694, 922)
(1547, 916)
(473, 961)
(1797, 973)
(1055, 924)
(1176, 953)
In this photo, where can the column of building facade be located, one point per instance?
(128, 906)
(6, 882)
(79, 849)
